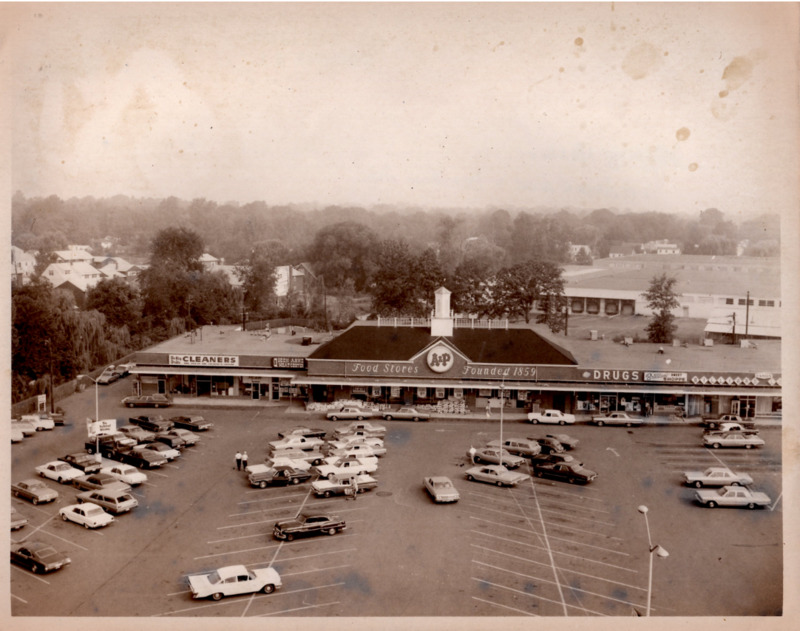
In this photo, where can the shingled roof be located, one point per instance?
(481, 346)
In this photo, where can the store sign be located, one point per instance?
(440, 358)
(380, 368)
(764, 375)
(101, 427)
(671, 377)
(204, 360)
(293, 363)
(499, 371)
(612, 375)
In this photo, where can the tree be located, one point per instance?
(117, 300)
(516, 289)
(583, 257)
(178, 249)
(342, 252)
(404, 284)
(662, 299)
(258, 277)
(470, 287)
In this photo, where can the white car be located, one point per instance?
(25, 427)
(495, 474)
(365, 427)
(314, 457)
(349, 412)
(296, 441)
(189, 438)
(556, 417)
(346, 466)
(716, 476)
(280, 461)
(39, 421)
(16, 434)
(616, 418)
(126, 473)
(59, 471)
(732, 496)
(441, 489)
(87, 515)
(161, 449)
(732, 439)
(234, 580)
(354, 449)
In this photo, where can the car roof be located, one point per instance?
(231, 570)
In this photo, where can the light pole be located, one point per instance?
(96, 416)
(654, 549)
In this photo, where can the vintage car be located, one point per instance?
(441, 489)
(170, 453)
(340, 448)
(170, 440)
(59, 471)
(147, 401)
(731, 496)
(732, 439)
(571, 472)
(524, 447)
(406, 414)
(87, 515)
(139, 434)
(494, 455)
(26, 427)
(40, 422)
(716, 421)
(234, 580)
(345, 466)
(33, 490)
(350, 412)
(308, 432)
(308, 525)
(144, 459)
(617, 418)
(567, 441)
(358, 438)
(343, 485)
(297, 441)
(716, 476)
(548, 458)
(190, 439)
(38, 557)
(549, 445)
(99, 481)
(263, 476)
(294, 463)
(153, 424)
(311, 457)
(360, 428)
(495, 474)
(192, 423)
(109, 376)
(551, 416)
(124, 369)
(18, 520)
(17, 436)
(730, 426)
(125, 473)
(83, 461)
(113, 500)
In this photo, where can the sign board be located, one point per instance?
(101, 427)
(41, 403)
(295, 363)
(203, 360)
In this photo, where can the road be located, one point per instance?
(544, 548)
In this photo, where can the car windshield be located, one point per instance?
(93, 511)
(46, 553)
(214, 578)
(442, 484)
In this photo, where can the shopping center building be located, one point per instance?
(454, 365)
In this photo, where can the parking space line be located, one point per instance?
(279, 613)
(594, 521)
(550, 600)
(568, 571)
(527, 613)
(270, 499)
(219, 554)
(317, 569)
(31, 574)
(572, 588)
(158, 473)
(532, 531)
(19, 599)
(577, 509)
(320, 554)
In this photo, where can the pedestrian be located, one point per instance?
(244, 460)
(488, 410)
(471, 453)
(354, 486)
(238, 461)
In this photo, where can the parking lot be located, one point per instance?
(544, 548)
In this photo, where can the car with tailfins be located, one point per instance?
(59, 471)
(716, 476)
(617, 418)
(86, 515)
(344, 484)
(307, 525)
(731, 497)
(33, 490)
(234, 580)
(495, 474)
(441, 489)
(406, 414)
(39, 557)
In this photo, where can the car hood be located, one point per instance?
(287, 524)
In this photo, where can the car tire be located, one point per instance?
(499, 483)
(36, 568)
(262, 484)
(470, 478)
(34, 501)
(712, 504)
(535, 421)
(600, 423)
(289, 537)
(334, 418)
(562, 422)
(388, 417)
(295, 480)
(716, 445)
(216, 596)
(751, 505)
(326, 494)
(64, 517)
(331, 531)
(698, 484)
(268, 588)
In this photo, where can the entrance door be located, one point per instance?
(735, 407)
(256, 389)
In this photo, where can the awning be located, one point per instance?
(212, 372)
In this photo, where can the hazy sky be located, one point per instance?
(632, 106)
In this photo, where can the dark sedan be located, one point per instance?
(38, 557)
(99, 481)
(193, 423)
(147, 401)
(571, 472)
(86, 463)
(307, 525)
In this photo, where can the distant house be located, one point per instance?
(79, 273)
(74, 254)
(296, 279)
(23, 265)
(619, 250)
(575, 249)
(660, 247)
(210, 262)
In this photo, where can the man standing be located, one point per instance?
(244, 460)
(238, 461)
(471, 453)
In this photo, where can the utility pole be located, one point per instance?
(52, 389)
(566, 320)
(746, 315)
(734, 327)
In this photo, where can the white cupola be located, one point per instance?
(442, 320)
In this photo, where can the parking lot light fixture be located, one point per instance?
(654, 550)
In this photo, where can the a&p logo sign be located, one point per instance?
(440, 358)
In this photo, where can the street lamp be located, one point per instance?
(654, 549)
(96, 416)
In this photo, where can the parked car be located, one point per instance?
(83, 461)
(308, 525)
(406, 414)
(189, 438)
(716, 476)
(154, 424)
(549, 445)
(160, 448)
(365, 427)
(148, 400)
(571, 472)
(112, 500)
(294, 463)
(234, 580)
(119, 439)
(732, 439)
(715, 422)
(137, 433)
(441, 489)
(524, 447)
(551, 416)
(16, 434)
(297, 441)
(561, 457)
(104, 442)
(26, 427)
(108, 376)
(308, 432)
(495, 474)
(59, 471)
(263, 476)
(40, 422)
(192, 423)
(100, 481)
(170, 440)
(144, 459)
(125, 473)
(494, 455)
(125, 368)
(567, 441)
(38, 557)
(617, 418)
(311, 457)
(349, 413)
(87, 515)
(730, 426)
(345, 466)
(731, 496)
(33, 490)
(343, 484)
(18, 520)
(355, 449)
